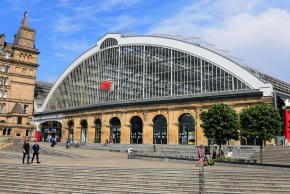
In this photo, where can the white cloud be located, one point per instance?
(80, 45)
(259, 37)
(59, 54)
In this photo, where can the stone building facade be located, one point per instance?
(18, 63)
(132, 89)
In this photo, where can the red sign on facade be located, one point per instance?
(106, 85)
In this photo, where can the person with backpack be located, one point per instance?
(68, 143)
(207, 155)
(52, 142)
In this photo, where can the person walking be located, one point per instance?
(68, 143)
(114, 138)
(26, 151)
(200, 155)
(35, 151)
(222, 152)
(207, 155)
(214, 153)
(52, 142)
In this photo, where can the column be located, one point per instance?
(125, 129)
(172, 129)
(199, 136)
(91, 129)
(147, 128)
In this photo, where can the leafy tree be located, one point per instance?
(261, 120)
(221, 122)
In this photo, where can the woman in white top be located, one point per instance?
(230, 154)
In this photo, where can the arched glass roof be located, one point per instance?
(139, 72)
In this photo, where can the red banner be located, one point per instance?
(287, 124)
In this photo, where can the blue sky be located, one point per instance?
(256, 30)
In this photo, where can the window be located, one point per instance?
(26, 109)
(9, 132)
(1, 80)
(18, 134)
(19, 120)
(7, 69)
(27, 132)
(0, 93)
(6, 81)
(4, 94)
(3, 108)
(7, 55)
(3, 68)
(31, 133)
(4, 131)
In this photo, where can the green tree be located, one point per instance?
(261, 120)
(221, 122)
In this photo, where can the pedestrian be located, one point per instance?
(35, 151)
(154, 149)
(200, 155)
(222, 152)
(26, 151)
(214, 153)
(56, 138)
(68, 143)
(114, 138)
(207, 155)
(52, 141)
(230, 154)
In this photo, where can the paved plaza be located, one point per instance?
(93, 158)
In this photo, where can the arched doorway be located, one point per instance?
(186, 129)
(115, 129)
(71, 130)
(98, 132)
(136, 130)
(84, 128)
(49, 129)
(160, 130)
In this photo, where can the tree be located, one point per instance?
(221, 122)
(261, 120)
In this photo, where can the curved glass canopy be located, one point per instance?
(140, 72)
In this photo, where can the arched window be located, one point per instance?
(186, 129)
(3, 108)
(160, 130)
(9, 132)
(71, 130)
(4, 94)
(6, 81)
(1, 80)
(98, 131)
(109, 42)
(115, 130)
(84, 131)
(2, 68)
(7, 68)
(4, 131)
(136, 130)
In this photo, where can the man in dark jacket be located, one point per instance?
(207, 155)
(35, 151)
(26, 151)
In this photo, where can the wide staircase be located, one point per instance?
(172, 151)
(46, 179)
(273, 155)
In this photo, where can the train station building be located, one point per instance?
(149, 90)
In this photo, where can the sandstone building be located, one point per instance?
(18, 63)
(150, 90)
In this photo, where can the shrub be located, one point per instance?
(212, 161)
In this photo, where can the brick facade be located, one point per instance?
(171, 111)
(18, 65)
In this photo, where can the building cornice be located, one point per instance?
(21, 62)
(174, 99)
(27, 49)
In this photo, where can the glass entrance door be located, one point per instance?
(117, 132)
(160, 130)
(136, 130)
